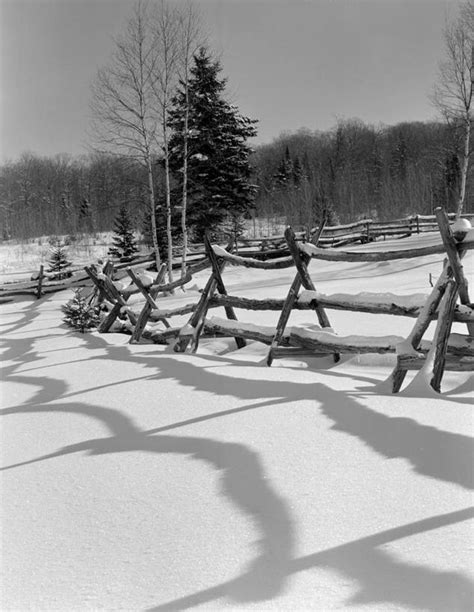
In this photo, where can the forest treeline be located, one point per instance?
(357, 170)
(352, 171)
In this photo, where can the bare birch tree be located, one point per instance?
(453, 93)
(191, 39)
(166, 25)
(126, 118)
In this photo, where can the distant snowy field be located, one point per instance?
(136, 478)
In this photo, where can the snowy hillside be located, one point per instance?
(135, 478)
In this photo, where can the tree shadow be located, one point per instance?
(243, 481)
(28, 315)
(380, 576)
(430, 451)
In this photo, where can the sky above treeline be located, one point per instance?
(290, 63)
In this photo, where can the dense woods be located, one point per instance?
(357, 170)
(354, 170)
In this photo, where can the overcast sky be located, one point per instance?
(290, 63)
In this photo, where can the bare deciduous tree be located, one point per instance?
(453, 93)
(126, 116)
(165, 24)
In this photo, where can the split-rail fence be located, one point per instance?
(448, 302)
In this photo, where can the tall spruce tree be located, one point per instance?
(218, 169)
(125, 245)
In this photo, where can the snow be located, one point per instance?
(199, 157)
(136, 478)
(146, 279)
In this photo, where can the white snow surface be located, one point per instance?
(136, 478)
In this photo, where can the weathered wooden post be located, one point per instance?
(40, 282)
(220, 285)
(150, 303)
(454, 255)
(302, 277)
(441, 337)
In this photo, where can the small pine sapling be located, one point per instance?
(58, 262)
(125, 245)
(81, 313)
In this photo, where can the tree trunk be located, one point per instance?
(184, 228)
(465, 166)
(151, 191)
(168, 204)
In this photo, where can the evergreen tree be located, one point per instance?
(299, 175)
(285, 173)
(125, 245)
(80, 313)
(58, 262)
(218, 169)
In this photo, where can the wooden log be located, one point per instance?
(296, 351)
(197, 318)
(404, 231)
(291, 298)
(248, 262)
(116, 295)
(327, 302)
(289, 303)
(106, 324)
(424, 318)
(162, 337)
(168, 287)
(119, 303)
(173, 312)
(198, 315)
(141, 287)
(301, 266)
(40, 281)
(348, 256)
(218, 301)
(221, 287)
(452, 362)
(452, 250)
(104, 293)
(148, 306)
(443, 329)
(316, 236)
(228, 328)
(324, 341)
(337, 228)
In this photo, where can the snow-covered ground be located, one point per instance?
(136, 478)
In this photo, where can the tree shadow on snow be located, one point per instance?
(430, 451)
(243, 482)
(380, 575)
